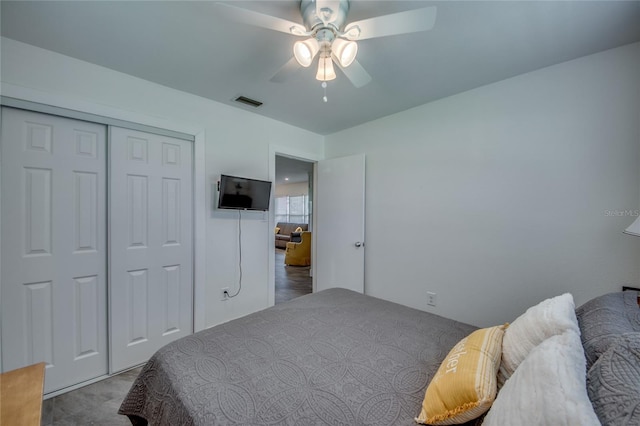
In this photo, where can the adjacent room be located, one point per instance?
(320, 212)
(294, 222)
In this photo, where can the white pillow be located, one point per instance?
(548, 318)
(548, 388)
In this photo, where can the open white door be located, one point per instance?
(340, 223)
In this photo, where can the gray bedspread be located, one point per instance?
(331, 358)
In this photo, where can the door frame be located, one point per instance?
(310, 157)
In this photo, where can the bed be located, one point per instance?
(334, 357)
(341, 358)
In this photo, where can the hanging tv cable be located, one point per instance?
(240, 255)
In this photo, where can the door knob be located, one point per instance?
(358, 244)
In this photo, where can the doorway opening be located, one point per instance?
(293, 225)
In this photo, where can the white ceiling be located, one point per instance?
(184, 45)
(290, 170)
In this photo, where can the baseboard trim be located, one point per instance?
(86, 383)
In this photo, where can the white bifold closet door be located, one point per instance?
(53, 272)
(151, 244)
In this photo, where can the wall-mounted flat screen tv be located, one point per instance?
(243, 194)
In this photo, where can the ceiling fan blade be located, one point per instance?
(286, 71)
(249, 17)
(355, 72)
(410, 21)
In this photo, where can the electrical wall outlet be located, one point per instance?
(224, 293)
(431, 298)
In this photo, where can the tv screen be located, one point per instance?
(243, 194)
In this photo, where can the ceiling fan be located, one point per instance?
(330, 37)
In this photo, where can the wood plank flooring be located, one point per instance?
(291, 281)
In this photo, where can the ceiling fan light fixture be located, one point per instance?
(345, 51)
(325, 69)
(305, 51)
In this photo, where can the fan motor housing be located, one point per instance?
(333, 14)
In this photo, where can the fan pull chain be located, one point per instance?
(324, 87)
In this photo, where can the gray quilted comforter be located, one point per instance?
(335, 357)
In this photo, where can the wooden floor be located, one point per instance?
(291, 281)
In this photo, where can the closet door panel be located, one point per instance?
(53, 291)
(151, 247)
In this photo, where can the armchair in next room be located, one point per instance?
(299, 254)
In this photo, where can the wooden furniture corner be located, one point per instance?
(21, 395)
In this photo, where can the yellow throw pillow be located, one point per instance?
(465, 385)
(277, 230)
(298, 229)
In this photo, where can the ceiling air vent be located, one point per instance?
(248, 101)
